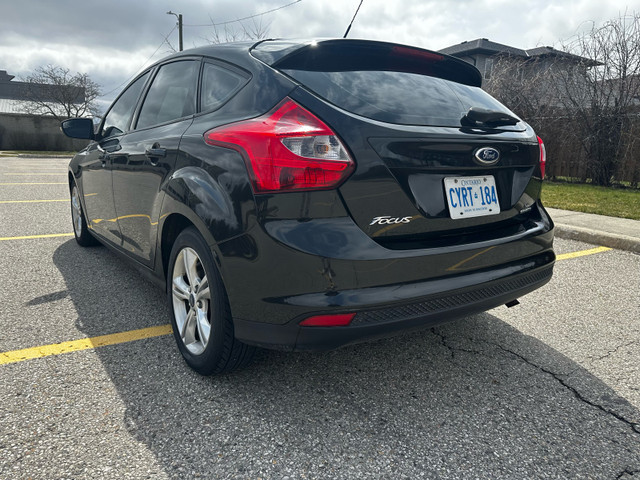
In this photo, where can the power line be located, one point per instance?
(145, 62)
(199, 25)
(243, 18)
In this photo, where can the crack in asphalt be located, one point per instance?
(443, 341)
(634, 426)
(615, 350)
(627, 471)
(452, 350)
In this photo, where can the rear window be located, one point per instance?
(397, 97)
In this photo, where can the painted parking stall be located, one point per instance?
(104, 394)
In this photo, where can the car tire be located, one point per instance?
(199, 308)
(80, 228)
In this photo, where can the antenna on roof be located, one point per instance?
(354, 17)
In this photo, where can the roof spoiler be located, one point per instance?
(348, 55)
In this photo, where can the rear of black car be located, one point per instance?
(398, 195)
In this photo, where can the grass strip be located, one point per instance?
(614, 202)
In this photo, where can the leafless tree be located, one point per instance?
(583, 100)
(255, 29)
(603, 98)
(520, 83)
(55, 91)
(524, 85)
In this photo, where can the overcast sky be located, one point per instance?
(112, 41)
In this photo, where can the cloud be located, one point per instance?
(112, 41)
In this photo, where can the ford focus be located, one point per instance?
(305, 195)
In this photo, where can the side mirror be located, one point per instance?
(78, 128)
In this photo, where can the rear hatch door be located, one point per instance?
(439, 161)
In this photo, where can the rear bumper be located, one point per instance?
(484, 290)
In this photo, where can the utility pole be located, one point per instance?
(179, 17)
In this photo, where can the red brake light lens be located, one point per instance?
(337, 320)
(417, 53)
(543, 157)
(286, 149)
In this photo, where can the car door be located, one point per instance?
(149, 152)
(96, 167)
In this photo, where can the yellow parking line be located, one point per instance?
(36, 183)
(35, 201)
(582, 253)
(29, 237)
(83, 344)
(131, 335)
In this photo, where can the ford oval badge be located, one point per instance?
(487, 156)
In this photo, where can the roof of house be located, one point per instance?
(487, 47)
(481, 45)
(11, 106)
(15, 95)
(22, 107)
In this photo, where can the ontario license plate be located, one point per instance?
(471, 196)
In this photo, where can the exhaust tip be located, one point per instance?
(512, 303)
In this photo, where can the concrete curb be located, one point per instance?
(604, 239)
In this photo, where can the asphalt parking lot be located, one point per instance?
(547, 389)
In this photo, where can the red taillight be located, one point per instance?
(337, 320)
(417, 53)
(286, 149)
(543, 157)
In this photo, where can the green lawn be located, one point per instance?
(615, 202)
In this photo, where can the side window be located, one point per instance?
(172, 94)
(118, 118)
(218, 85)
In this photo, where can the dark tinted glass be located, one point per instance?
(172, 94)
(398, 97)
(118, 118)
(218, 85)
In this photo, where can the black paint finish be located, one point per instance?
(286, 256)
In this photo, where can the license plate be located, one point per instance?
(471, 196)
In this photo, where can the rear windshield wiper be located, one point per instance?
(481, 117)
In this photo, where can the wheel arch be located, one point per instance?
(174, 223)
(194, 197)
(172, 226)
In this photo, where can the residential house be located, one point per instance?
(484, 54)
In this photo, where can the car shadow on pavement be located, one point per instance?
(473, 398)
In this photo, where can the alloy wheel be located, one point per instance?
(191, 299)
(76, 212)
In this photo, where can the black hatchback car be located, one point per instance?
(304, 195)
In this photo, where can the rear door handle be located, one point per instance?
(156, 152)
(103, 156)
